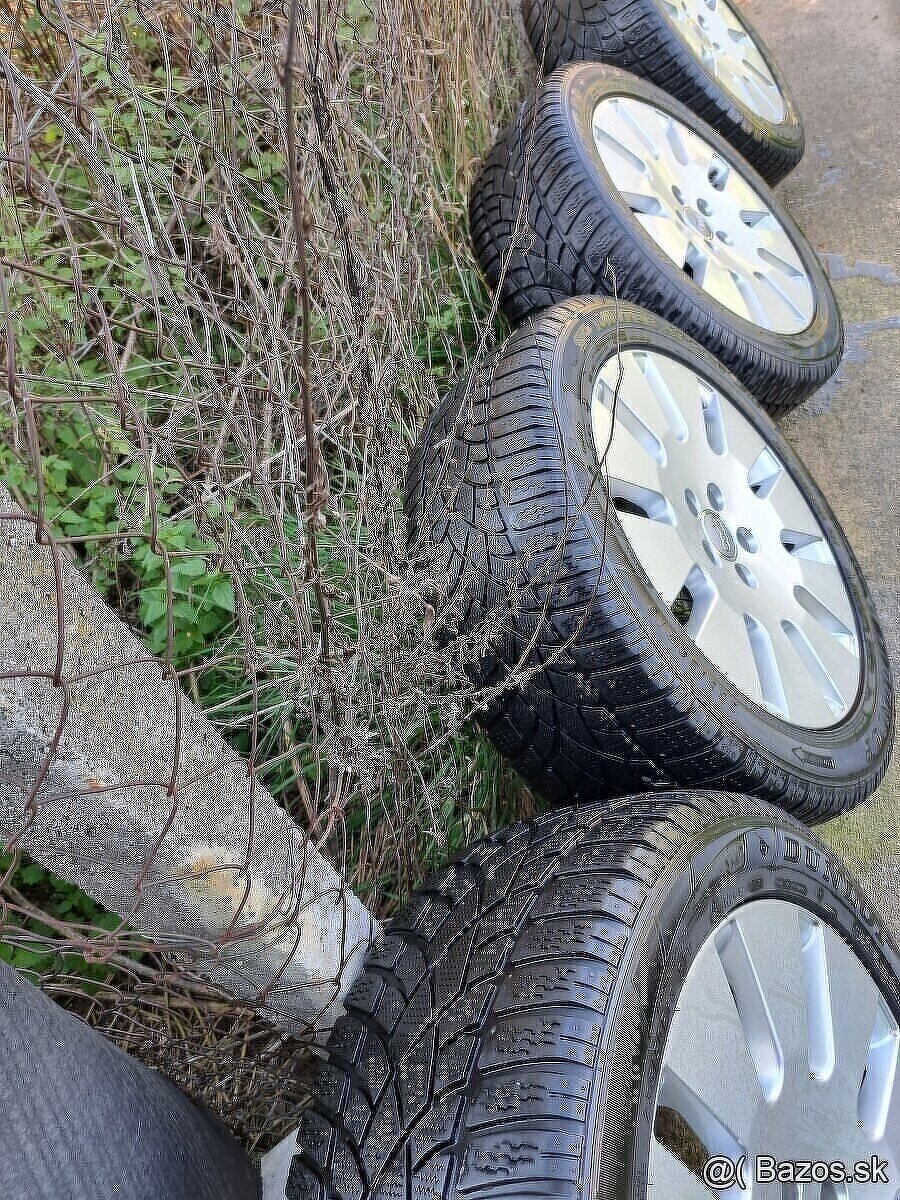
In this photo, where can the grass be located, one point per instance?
(169, 327)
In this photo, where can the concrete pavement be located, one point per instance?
(842, 61)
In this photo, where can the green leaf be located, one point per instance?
(25, 959)
(222, 595)
(189, 566)
(155, 610)
(108, 920)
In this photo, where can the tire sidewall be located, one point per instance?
(837, 755)
(581, 88)
(729, 865)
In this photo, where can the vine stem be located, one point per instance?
(314, 465)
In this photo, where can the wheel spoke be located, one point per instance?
(789, 503)
(772, 256)
(893, 1107)
(661, 551)
(762, 1041)
(708, 1011)
(722, 286)
(855, 1010)
(643, 204)
(828, 656)
(768, 672)
(765, 91)
(675, 1094)
(629, 464)
(880, 1075)
(675, 141)
(636, 479)
(626, 158)
(640, 431)
(723, 639)
(817, 993)
(840, 626)
(696, 263)
(742, 79)
(807, 685)
(713, 421)
(670, 238)
(754, 217)
(734, 80)
(669, 393)
(773, 992)
(719, 173)
(751, 298)
(778, 293)
(765, 471)
(816, 670)
(758, 467)
(824, 596)
(810, 547)
(712, 63)
(638, 130)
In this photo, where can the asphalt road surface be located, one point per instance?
(842, 60)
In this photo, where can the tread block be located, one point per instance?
(547, 1033)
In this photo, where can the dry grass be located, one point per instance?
(236, 277)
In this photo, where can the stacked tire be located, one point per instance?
(604, 1002)
(666, 596)
(604, 184)
(667, 975)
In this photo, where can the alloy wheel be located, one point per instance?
(727, 538)
(703, 214)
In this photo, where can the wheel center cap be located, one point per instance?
(697, 221)
(718, 535)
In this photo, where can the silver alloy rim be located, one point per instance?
(727, 538)
(781, 1044)
(714, 33)
(703, 214)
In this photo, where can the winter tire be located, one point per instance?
(688, 614)
(596, 1005)
(700, 51)
(605, 184)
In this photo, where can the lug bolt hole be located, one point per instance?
(746, 575)
(724, 238)
(710, 553)
(705, 207)
(692, 502)
(678, 193)
(747, 540)
(716, 497)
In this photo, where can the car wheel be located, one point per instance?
(603, 1003)
(604, 184)
(649, 588)
(700, 51)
